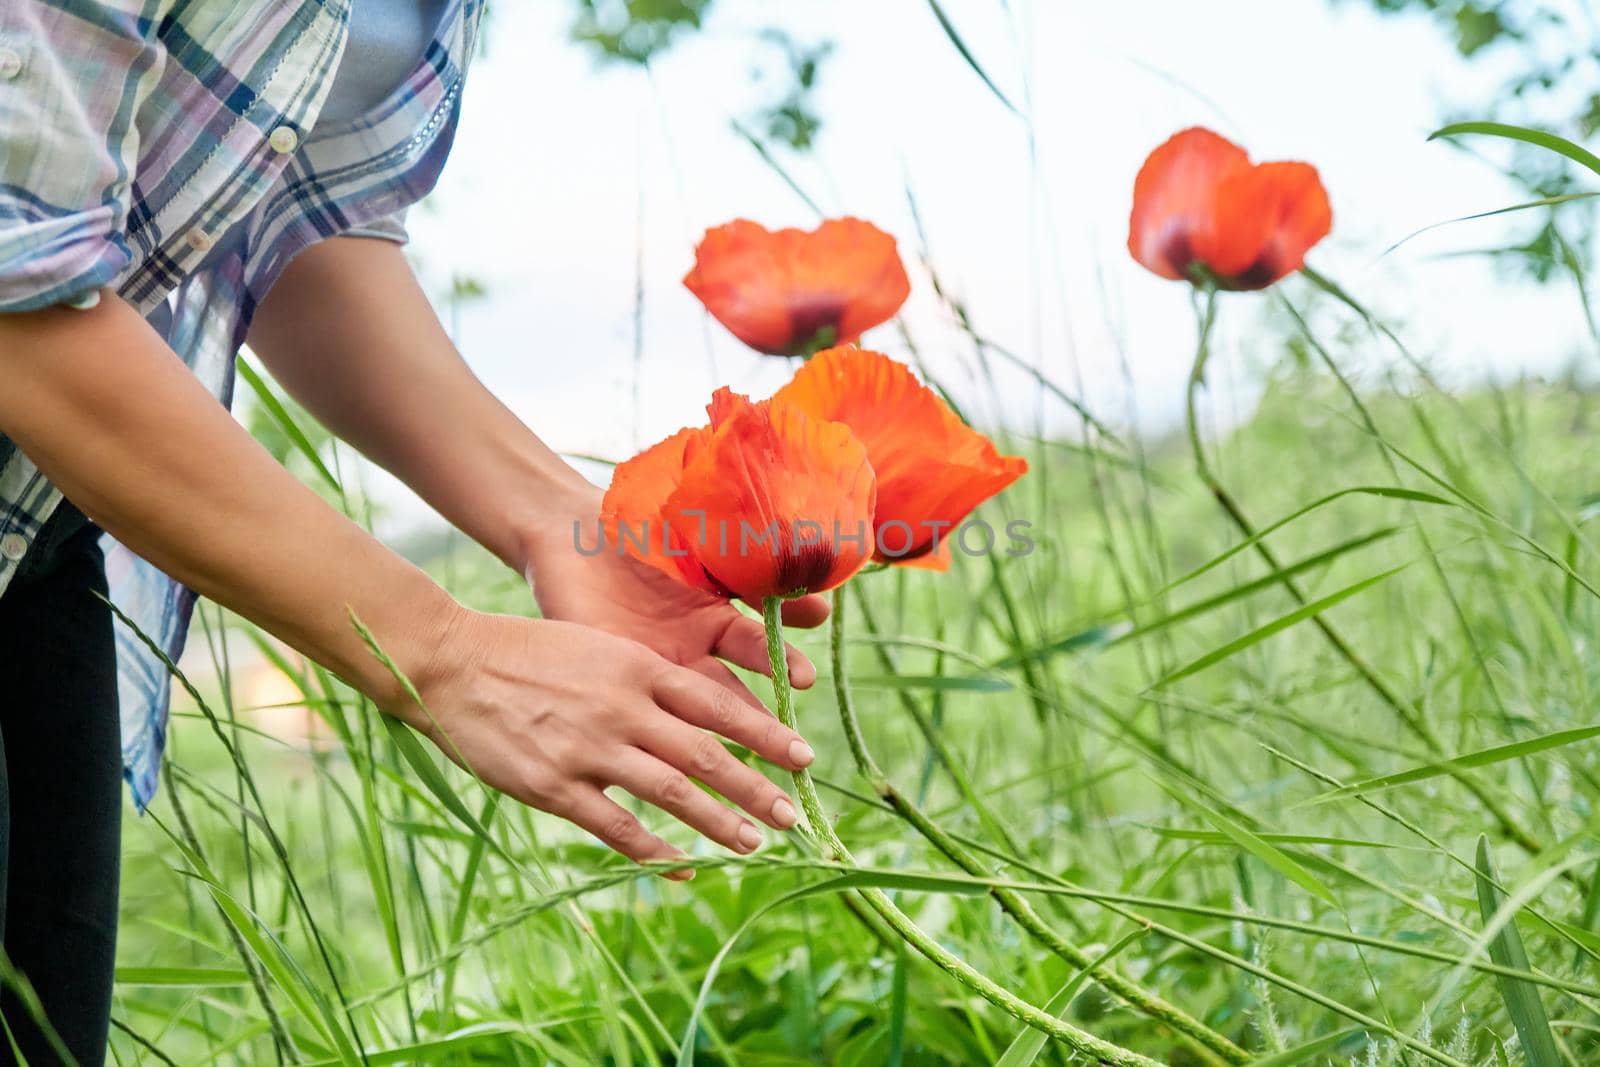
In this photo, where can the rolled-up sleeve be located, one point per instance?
(388, 228)
(72, 76)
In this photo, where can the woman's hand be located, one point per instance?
(622, 596)
(552, 713)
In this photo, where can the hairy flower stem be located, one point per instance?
(821, 829)
(1409, 713)
(1211, 1045)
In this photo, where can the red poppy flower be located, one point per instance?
(765, 501)
(932, 468)
(790, 292)
(1199, 202)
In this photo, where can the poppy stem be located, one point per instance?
(1212, 1046)
(1098, 1050)
(1406, 710)
(783, 695)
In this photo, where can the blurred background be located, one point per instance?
(599, 139)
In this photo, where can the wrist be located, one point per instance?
(562, 515)
(421, 633)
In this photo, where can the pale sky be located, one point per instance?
(563, 171)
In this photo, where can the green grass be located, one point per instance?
(1174, 768)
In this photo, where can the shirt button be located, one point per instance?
(284, 140)
(199, 240)
(13, 546)
(10, 64)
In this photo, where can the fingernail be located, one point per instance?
(683, 875)
(783, 812)
(749, 837)
(800, 753)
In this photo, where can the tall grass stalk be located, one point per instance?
(1413, 718)
(822, 830)
(1214, 1047)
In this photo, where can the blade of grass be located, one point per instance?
(1257, 846)
(1482, 758)
(1113, 634)
(181, 976)
(1317, 1046)
(285, 421)
(966, 54)
(1559, 145)
(843, 883)
(1521, 999)
(1027, 1045)
(946, 682)
(1276, 626)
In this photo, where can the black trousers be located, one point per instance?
(60, 792)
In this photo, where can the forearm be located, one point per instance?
(351, 334)
(111, 416)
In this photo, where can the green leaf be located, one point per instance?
(1416, 496)
(1093, 637)
(1522, 999)
(777, 168)
(1316, 1046)
(897, 1010)
(181, 976)
(427, 771)
(1111, 635)
(281, 416)
(1481, 758)
(941, 682)
(285, 971)
(1209, 837)
(1261, 633)
(1030, 1042)
(1543, 201)
(1558, 145)
(1257, 846)
(966, 54)
(851, 880)
(487, 1033)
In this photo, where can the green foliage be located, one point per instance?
(635, 31)
(792, 119)
(1550, 57)
(1167, 828)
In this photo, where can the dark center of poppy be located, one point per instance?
(1257, 275)
(1178, 253)
(814, 325)
(802, 567)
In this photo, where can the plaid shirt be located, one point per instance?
(134, 135)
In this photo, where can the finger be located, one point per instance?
(718, 672)
(618, 829)
(744, 643)
(700, 756)
(669, 789)
(806, 612)
(696, 700)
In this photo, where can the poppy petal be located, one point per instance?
(1264, 222)
(632, 511)
(781, 292)
(786, 499)
(1174, 196)
(742, 280)
(857, 267)
(932, 468)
